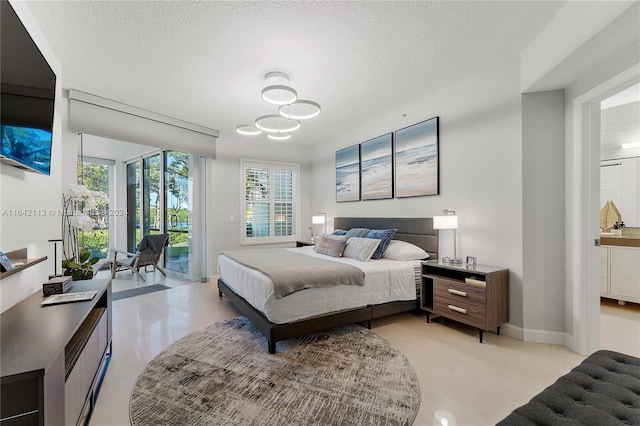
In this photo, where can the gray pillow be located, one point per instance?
(333, 237)
(330, 246)
(360, 248)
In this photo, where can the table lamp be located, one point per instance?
(448, 220)
(320, 219)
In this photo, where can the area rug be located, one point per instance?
(224, 375)
(138, 291)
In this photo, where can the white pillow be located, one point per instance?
(402, 250)
(360, 248)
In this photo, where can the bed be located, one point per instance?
(315, 309)
(602, 390)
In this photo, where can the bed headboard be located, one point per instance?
(418, 231)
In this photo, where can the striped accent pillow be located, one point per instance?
(360, 248)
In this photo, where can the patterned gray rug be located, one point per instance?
(223, 375)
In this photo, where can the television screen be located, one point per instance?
(30, 147)
(27, 97)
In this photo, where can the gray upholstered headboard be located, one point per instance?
(418, 231)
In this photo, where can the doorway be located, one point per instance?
(620, 201)
(583, 210)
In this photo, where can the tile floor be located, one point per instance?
(463, 381)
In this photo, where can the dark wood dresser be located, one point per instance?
(53, 357)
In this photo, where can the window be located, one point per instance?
(269, 202)
(94, 174)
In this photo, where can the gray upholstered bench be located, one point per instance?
(603, 390)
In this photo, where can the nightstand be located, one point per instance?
(303, 243)
(477, 296)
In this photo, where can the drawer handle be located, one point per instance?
(457, 292)
(455, 308)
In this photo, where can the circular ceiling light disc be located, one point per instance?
(300, 110)
(279, 95)
(247, 129)
(275, 123)
(279, 137)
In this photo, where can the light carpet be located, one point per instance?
(224, 375)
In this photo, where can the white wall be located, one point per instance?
(543, 133)
(480, 170)
(33, 192)
(225, 186)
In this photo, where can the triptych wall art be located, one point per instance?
(401, 164)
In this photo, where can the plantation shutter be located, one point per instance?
(257, 202)
(270, 202)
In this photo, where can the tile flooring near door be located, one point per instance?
(461, 380)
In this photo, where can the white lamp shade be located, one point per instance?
(318, 219)
(445, 222)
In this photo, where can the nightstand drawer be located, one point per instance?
(452, 290)
(460, 302)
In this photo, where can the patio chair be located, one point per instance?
(147, 254)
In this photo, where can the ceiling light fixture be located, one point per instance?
(631, 145)
(279, 137)
(274, 123)
(247, 129)
(300, 110)
(279, 126)
(280, 93)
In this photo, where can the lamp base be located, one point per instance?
(452, 260)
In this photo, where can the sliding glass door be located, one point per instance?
(133, 205)
(151, 208)
(159, 194)
(177, 210)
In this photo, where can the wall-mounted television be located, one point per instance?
(27, 97)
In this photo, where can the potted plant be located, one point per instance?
(82, 269)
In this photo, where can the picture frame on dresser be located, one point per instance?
(376, 168)
(348, 174)
(417, 159)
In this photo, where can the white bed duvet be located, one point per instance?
(385, 281)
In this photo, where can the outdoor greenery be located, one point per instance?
(95, 177)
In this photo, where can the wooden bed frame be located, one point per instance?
(418, 231)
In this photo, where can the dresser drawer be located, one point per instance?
(460, 302)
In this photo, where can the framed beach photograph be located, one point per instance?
(348, 174)
(376, 168)
(417, 160)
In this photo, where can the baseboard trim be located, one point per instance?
(543, 336)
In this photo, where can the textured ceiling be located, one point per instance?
(204, 62)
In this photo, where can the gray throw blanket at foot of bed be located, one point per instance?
(290, 271)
